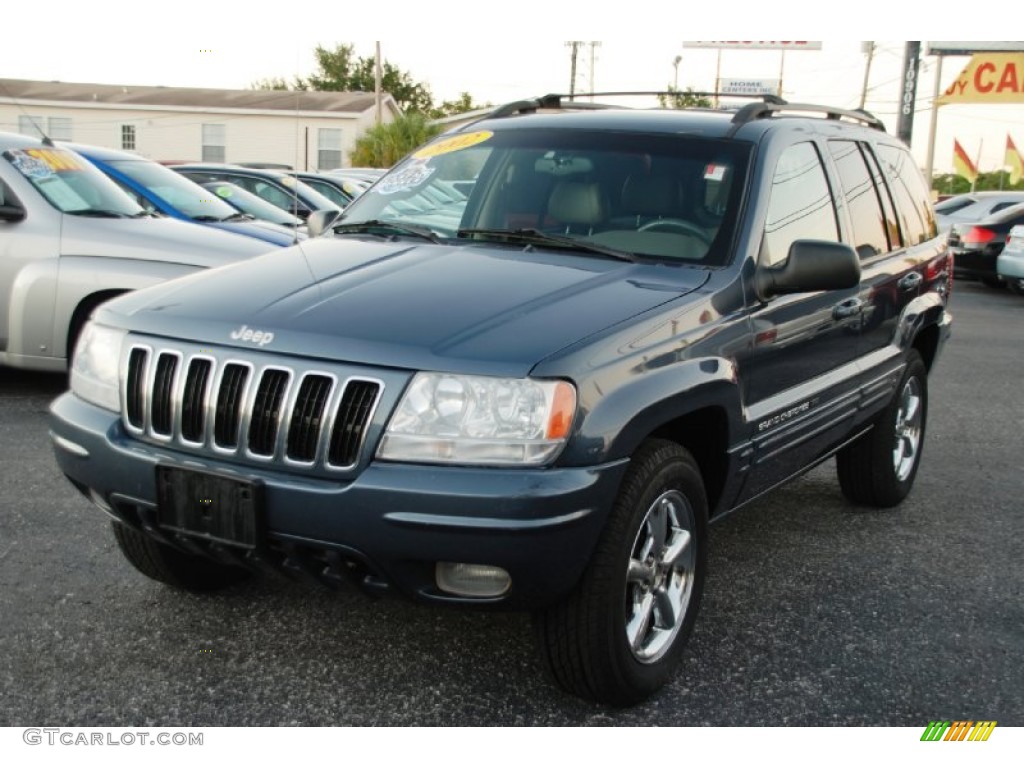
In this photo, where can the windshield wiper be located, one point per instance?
(537, 237)
(396, 227)
(238, 216)
(99, 213)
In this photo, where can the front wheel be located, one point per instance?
(878, 469)
(1015, 284)
(163, 563)
(619, 636)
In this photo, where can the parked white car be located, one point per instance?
(1010, 264)
(973, 206)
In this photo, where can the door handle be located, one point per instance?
(848, 308)
(910, 281)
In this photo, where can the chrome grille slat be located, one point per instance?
(212, 402)
(193, 411)
(307, 417)
(350, 423)
(162, 405)
(228, 411)
(266, 411)
(135, 394)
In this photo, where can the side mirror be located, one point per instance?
(812, 265)
(11, 212)
(320, 221)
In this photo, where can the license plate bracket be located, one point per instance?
(220, 508)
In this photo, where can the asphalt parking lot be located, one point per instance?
(816, 613)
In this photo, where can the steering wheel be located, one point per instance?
(677, 224)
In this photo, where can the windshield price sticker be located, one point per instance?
(453, 144)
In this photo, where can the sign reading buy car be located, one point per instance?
(989, 78)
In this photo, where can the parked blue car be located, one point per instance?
(158, 188)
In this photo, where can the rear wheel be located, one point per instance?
(163, 563)
(879, 468)
(1015, 284)
(993, 282)
(619, 637)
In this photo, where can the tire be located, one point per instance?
(1015, 284)
(163, 563)
(619, 636)
(878, 470)
(993, 282)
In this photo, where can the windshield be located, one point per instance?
(245, 201)
(651, 195)
(182, 194)
(70, 183)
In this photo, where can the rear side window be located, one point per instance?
(862, 200)
(800, 206)
(911, 195)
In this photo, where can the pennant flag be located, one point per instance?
(1013, 161)
(962, 163)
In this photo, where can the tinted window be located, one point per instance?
(800, 207)
(913, 200)
(869, 238)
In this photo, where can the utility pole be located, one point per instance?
(377, 77)
(575, 46)
(867, 47)
(675, 77)
(593, 44)
(911, 65)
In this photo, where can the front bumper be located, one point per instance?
(386, 529)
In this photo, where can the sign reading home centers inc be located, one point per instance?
(737, 87)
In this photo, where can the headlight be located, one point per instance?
(94, 367)
(479, 420)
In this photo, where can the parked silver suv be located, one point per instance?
(70, 239)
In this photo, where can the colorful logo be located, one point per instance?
(960, 730)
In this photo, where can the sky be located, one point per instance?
(501, 52)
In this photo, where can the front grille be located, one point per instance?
(255, 412)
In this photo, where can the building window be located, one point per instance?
(214, 143)
(31, 125)
(59, 128)
(128, 137)
(329, 149)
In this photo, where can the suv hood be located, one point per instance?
(155, 239)
(468, 308)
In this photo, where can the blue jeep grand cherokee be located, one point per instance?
(527, 368)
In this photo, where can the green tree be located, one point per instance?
(954, 184)
(384, 145)
(676, 99)
(341, 70)
(277, 84)
(457, 107)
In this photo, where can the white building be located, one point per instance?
(305, 130)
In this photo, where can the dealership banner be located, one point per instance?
(988, 78)
(786, 45)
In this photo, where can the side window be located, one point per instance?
(800, 206)
(862, 201)
(913, 200)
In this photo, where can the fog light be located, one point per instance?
(468, 580)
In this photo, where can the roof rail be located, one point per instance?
(753, 112)
(570, 100)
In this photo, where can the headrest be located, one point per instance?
(577, 202)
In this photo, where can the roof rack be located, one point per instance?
(567, 100)
(752, 112)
